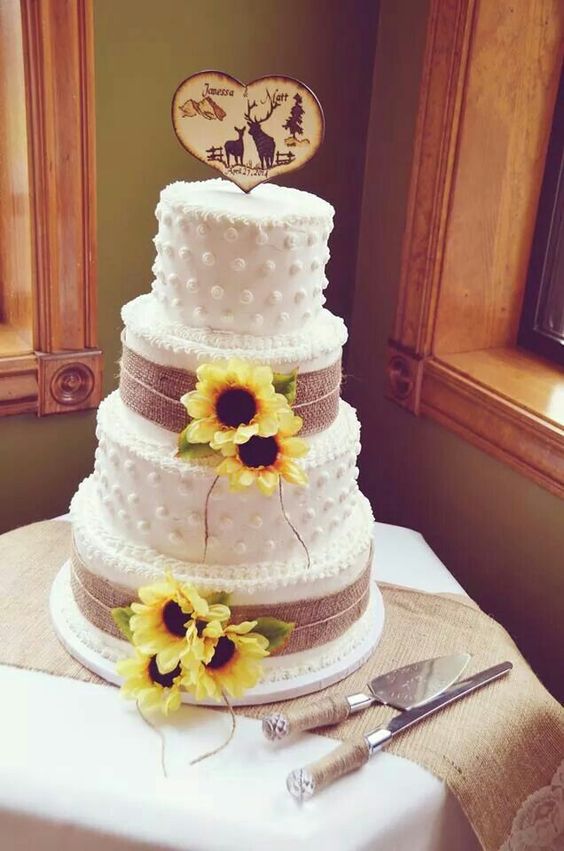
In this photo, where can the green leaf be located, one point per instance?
(277, 632)
(285, 383)
(192, 451)
(121, 618)
(222, 597)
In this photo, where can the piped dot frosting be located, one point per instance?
(223, 251)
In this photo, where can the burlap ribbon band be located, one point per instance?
(317, 621)
(153, 391)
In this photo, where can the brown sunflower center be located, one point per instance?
(258, 451)
(223, 653)
(235, 406)
(174, 618)
(164, 680)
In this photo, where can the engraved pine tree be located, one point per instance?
(294, 123)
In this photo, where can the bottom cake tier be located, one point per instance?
(284, 677)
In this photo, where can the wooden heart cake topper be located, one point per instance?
(250, 132)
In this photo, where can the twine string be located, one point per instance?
(353, 606)
(227, 740)
(297, 406)
(148, 387)
(292, 527)
(159, 733)
(206, 524)
(84, 589)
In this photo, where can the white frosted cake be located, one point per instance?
(238, 278)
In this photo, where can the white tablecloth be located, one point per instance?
(80, 770)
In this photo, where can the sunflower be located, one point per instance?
(232, 662)
(161, 620)
(145, 683)
(264, 459)
(201, 639)
(232, 403)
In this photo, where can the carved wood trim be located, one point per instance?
(404, 373)
(18, 384)
(68, 381)
(489, 81)
(449, 32)
(59, 82)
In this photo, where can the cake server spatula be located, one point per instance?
(402, 688)
(305, 782)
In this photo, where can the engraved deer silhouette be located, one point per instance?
(265, 144)
(234, 147)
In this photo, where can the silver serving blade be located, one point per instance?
(305, 782)
(401, 722)
(419, 682)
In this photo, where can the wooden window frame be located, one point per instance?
(490, 77)
(545, 251)
(62, 371)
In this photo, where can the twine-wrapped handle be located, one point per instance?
(306, 782)
(329, 710)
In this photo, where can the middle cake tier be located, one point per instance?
(160, 361)
(147, 496)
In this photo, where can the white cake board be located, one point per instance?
(71, 628)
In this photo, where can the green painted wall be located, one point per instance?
(500, 534)
(143, 50)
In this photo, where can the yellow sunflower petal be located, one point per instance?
(198, 405)
(213, 629)
(149, 698)
(219, 612)
(239, 371)
(253, 645)
(206, 686)
(262, 377)
(151, 594)
(130, 667)
(222, 438)
(150, 619)
(198, 603)
(225, 445)
(228, 466)
(170, 702)
(295, 447)
(130, 690)
(293, 473)
(290, 425)
(213, 373)
(244, 432)
(201, 431)
(241, 628)
(243, 675)
(167, 658)
(243, 477)
(149, 640)
(267, 480)
(233, 686)
(268, 426)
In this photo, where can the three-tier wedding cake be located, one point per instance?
(226, 458)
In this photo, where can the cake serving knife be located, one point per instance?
(402, 688)
(305, 782)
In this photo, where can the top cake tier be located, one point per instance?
(250, 264)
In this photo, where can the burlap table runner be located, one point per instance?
(494, 749)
